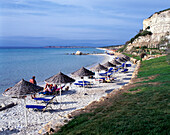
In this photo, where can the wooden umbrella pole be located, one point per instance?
(25, 113)
(98, 77)
(83, 85)
(60, 96)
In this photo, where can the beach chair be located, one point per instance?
(124, 71)
(46, 93)
(44, 99)
(123, 65)
(110, 70)
(106, 73)
(86, 82)
(81, 84)
(40, 107)
(128, 65)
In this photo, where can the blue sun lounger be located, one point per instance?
(106, 73)
(40, 107)
(125, 70)
(45, 99)
(128, 65)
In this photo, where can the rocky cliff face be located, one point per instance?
(159, 25)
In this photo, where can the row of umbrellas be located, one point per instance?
(23, 87)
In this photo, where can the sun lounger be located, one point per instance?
(81, 84)
(125, 70)
(46, 93)
(106, 73)
(45, 99)
(123, 65)
(128, 65)
(40, 107)
(86, 82)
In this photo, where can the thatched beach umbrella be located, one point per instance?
(121, 60)
(108, 64)
(21, 89)
(124, 56)
(99, 67)
(83, 72)
(115, 62)
(124, 59)
(59, 79)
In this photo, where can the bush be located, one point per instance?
(122, 49)
(143, 33)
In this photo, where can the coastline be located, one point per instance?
(103, 60)
(72, 100)
(35, 62)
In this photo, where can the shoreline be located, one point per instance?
(72, 100)
(104, 58)
(40, 80)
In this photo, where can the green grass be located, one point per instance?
(135, 57)
(143, 113)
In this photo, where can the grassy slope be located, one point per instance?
(145, 112)
(135, 57)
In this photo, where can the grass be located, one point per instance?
(135, 57)
(144, 112)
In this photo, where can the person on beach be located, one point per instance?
(33, 81)
(54, 88)
(48, 89)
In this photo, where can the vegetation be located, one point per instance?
(143, 33)
(122, 49)
(143, 112)
(168, 54)
(135, 57)
(160, 12)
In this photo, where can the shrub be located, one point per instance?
(122, 49)
(143, 33)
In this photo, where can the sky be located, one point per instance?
(36, 23)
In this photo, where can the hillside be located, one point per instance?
(155, 32)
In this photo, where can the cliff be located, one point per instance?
(156, 31)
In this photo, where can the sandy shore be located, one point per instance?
(12, 120)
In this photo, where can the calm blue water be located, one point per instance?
(16, 64)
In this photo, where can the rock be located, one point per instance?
(85, 94)
(69, 116)
(78, 53)
(134, 53)
(134, 61)
(65, 121)
(158, 25)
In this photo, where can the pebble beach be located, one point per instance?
(12, 120)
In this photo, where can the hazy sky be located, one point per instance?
(73, 22)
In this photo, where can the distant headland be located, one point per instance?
(68, 47)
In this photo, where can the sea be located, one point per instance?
(23, 63)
